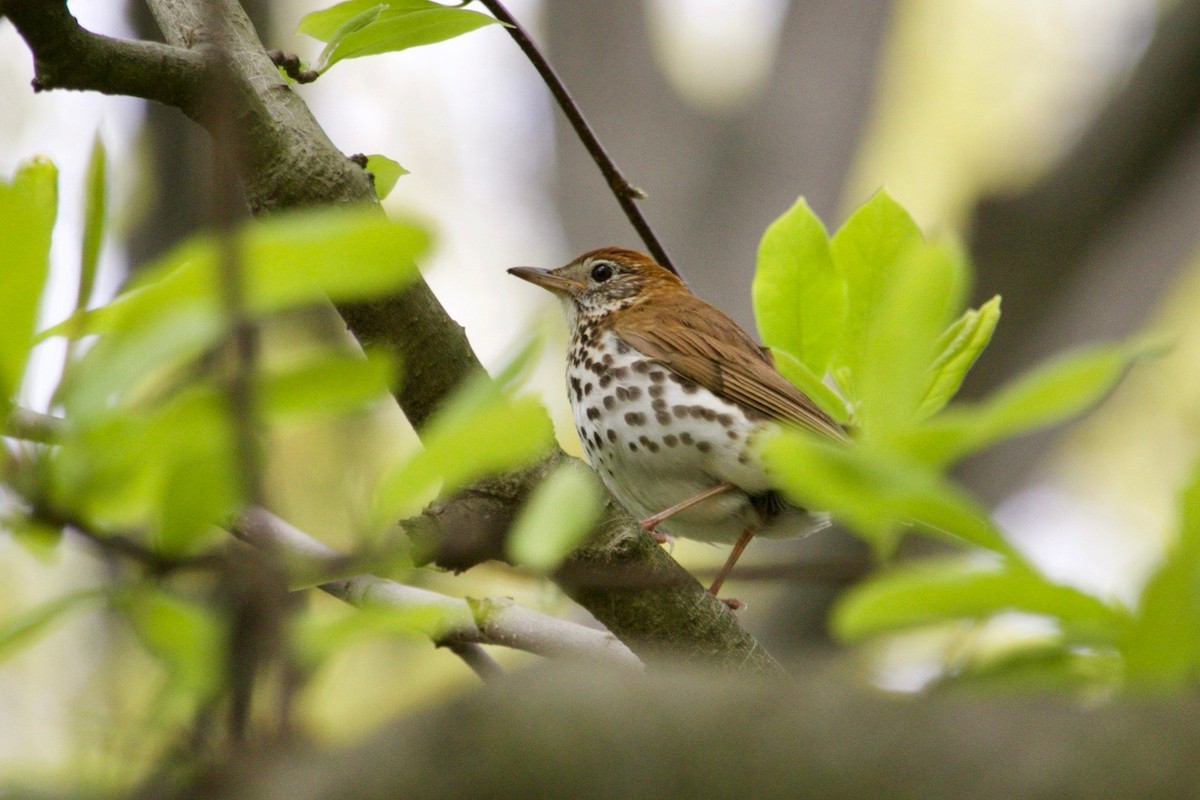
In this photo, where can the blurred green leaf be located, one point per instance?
(198, 491)
(874, 492)
(802, 378)
(93, 223)
(185, 635)
(937, 591)
(1163, 647)
(289, 260)
(318, 637)
(386, 172)
(799, 295)
(28, 207)
(481, 431)
(557, 517)
(327, 384)
(1049, 394)
(367, 34)
(23, 630)
(865, 250)
(959, 348)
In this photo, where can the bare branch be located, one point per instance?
(626, 193)
(65, 56)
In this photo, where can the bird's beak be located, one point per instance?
(548, 280)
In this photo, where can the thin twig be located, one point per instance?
(477, 659)
(626, 193)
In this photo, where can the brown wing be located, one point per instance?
(699, 342)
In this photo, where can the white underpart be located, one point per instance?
(647, 480)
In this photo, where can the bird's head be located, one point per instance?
(603, 281)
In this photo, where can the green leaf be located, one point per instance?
(386, 172)
(185, 635)
(938, 591)
(392, 31)
(874, 492)
(317, 638)
(803, 379)
(93, 223)
(1051, 393)
(890, 378)
(198, 491)
(557, 518)
(959, 347)
(28, 206)
(480, 432)
(289, 260)
(21, 631)
(799, 294)
(1163, 647)
(327, 23)
(328, 384)
(865, 251)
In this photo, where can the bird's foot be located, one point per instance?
(664, 538)
(733, 603)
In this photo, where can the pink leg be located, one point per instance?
(734, 554)
(653, 521)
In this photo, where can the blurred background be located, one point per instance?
(1057, 138)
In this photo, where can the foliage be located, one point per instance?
(884, 343)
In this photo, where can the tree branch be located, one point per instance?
(65, 56)
(626, 193)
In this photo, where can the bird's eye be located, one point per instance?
(602, 272)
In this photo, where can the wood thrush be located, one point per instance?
(668, 394)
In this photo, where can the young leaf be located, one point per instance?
(327, 384)
(803, 379)
(557, 518)
(317, 638)
(1163, 646)
(93, 223)
(864, 250)
(326, 23)
(394, 31)
(28, 206)
(959, 348)
(938, 591)
(386, 172)
(184, 634)
(873, 491)
(799, 295)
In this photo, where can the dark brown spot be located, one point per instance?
(611, 434)
(640, 367)
(620, 373)
(743, 459)
(670, 440)
(688, 387)
(663, 418)
(659, 404)
(597, 368)
(608, 359)
(597, 440)
(605, 380)
(649, 445)
(635, 418)
(679, 411)
(622, 348)
(732, 434)
(703, 447)
(622, 394)
(593, 412)
(609, 402)
(657, 376)
(657, 391)
(725, 420)
(576, 388)
(634, 392)
(633, 447)
(685, 437)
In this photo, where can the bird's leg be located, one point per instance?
(653, 521)
(727, 567)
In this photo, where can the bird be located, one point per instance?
(668, 396)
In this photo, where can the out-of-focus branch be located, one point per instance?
(499, 622)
